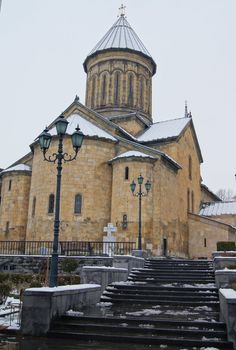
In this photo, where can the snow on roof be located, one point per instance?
(132, 154)
(86, 127)
(18, 167)
(164, 130)
(218, 208)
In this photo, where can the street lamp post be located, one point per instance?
(44, 141)
(140, 194)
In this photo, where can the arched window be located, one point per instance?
(188, 200)
(190, 168)
(51, 203)
(104, 88)
(130, 91)
(141, 93)
(78, 203)
(192, 195)
(9, 185)
(33, 206)
(93, 92)
(116, 88)
(126, 173)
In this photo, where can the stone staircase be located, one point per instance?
(172, 303)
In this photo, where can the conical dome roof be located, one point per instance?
(121, 36)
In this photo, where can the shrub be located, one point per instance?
(4, 277)
(35, 284)
(231, 266)
(5, 289)
(64, 280)
(69, 265)
(225, 246)
(233, 285)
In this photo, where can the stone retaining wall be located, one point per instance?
(220, 262)
(103, 275)
(38, 263)
(225, 278)
(228, 312)
(41, 305)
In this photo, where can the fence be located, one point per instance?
(90, 248)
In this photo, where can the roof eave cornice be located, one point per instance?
(114, 49)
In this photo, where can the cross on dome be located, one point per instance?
(122, 11)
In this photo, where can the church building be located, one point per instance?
(121, 141)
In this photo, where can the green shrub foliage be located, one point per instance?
(225, 246)
(231, 266)
(69, 265)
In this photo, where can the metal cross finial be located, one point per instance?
(186, 109)
(122, 11)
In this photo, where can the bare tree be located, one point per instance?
(225, 194)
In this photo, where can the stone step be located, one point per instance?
(163, 290)
(157, 322)
(142, 339)
(163, 279)
(141, 328)
(159, 301)
(170, 287)
(149, 272)
(181, 261)
(155, 296)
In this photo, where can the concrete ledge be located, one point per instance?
(127, 261)
(41, 305)
(103, 275)
(220, 262)
(230, 253)
(224, 278)
(228, 312)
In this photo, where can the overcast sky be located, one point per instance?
(43, 44)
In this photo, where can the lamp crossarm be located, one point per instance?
(68, 157)
(140, 194)
(65, 156)
(51, 159)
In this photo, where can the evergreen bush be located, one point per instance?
(225, 246)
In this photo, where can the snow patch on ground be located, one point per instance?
(74, 313)
(146, 325)
(145, 312)
(104, 304)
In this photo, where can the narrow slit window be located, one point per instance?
(116, 88)
(104, 87)
(188, 200)
(33, 207)
(7, 226)
(51, 201)
(93, 92)
(126, 173)
(190, 168)
(141, 94)
(130, 98)
(192, 202)
(9, 185)
(78, 203)
(205, 242)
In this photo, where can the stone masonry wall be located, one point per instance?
(90, 176)
(204, 233)
(14, 205)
